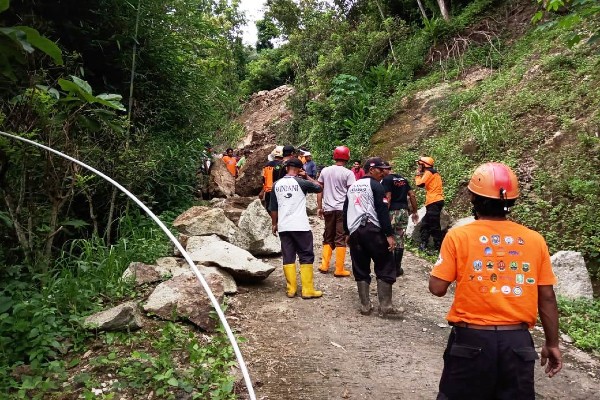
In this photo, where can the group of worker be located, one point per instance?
(502, 269)
(234, 161)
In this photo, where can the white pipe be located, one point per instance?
(187, 257)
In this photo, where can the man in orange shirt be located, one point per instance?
(503, 277)
(429, 178)
(230, 162)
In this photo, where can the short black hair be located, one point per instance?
(229, 148)
(487, 207)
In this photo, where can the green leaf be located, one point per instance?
(75, 223)
(5, 303)
(82, 84)
(173, 382)
(4, 5)
(42, 43)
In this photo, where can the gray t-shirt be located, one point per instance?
(336, 180)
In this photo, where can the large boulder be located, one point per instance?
(414, 231)
(242, 265)
(573, 278)
(220, 182)
(143, 274)
(123, 317)
(179, 266)
(198, 242)
(203, 221)
(249, 181)
(183, 298)
(311, 204)
(234, 206)
(255, 225)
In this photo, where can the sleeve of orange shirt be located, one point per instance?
(422, 180)
(446, 266)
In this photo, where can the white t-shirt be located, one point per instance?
(336, 180)
(290, 203)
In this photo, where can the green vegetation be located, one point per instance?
(580, 320)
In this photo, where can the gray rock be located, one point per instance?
(462, 222)
(182, 239)
(414, 231)
(221, 183)
(254, 233)
(197, 242)
(183, 298)
(142, 273)
(123, 317)
(573, 278)
(229, 285)
(242, 265)
(311, 204)
(203, 221)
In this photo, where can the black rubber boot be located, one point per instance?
(398, 253)
(384, 294)
(363, 294)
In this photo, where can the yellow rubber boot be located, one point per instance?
(340, 256)
(308, 288)
(289, 270)
(327, 251)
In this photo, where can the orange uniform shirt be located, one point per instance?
(433, 186)
(497, 266)
(231, 164)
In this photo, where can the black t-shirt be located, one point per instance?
(399, 187)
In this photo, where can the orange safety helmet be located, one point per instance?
(495, 181)
(427, 161)
(341, 153)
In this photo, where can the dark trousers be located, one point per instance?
(482, 365)
(334, 229)
(431, 224)
(297, 243)
(268, 201)
(369, 243)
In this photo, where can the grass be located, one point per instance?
(580, 319)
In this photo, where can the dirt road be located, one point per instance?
(324, 349)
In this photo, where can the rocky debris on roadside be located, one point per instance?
(183, 298)
(143, 274)
(233, 206)
(573, 277)
(311, 204)
(414, 231)
(255, 234)
(202, 221)
(462, 222)
(250, 181)
(220, 183)
(242, 265)
(123, 317)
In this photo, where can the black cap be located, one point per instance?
(288, 150)
(375, 162)
(294, 162)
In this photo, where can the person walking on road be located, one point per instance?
(335, 180)
(503, 279)
(289, 219)
(398, 193)
(371, 237)
(429, 178)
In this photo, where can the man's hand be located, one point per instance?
(552, 356)
(320, 213)
(274, 229)
(415, 218)
(391, 243)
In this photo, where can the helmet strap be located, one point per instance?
(503, 198)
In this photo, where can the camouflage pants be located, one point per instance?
(399, 219)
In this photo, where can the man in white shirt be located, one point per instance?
(289, 218)
(335, 180)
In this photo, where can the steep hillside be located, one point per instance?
(538, 111)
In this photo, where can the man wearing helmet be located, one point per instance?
(427, 177)
(335, 180)
(503, 279)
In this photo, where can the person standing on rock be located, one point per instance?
(230, 162)
(270, 170)
(289, 218)
(371, 237)
(429, 178)
(398, 193)
(335, 180)
(503, 278)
